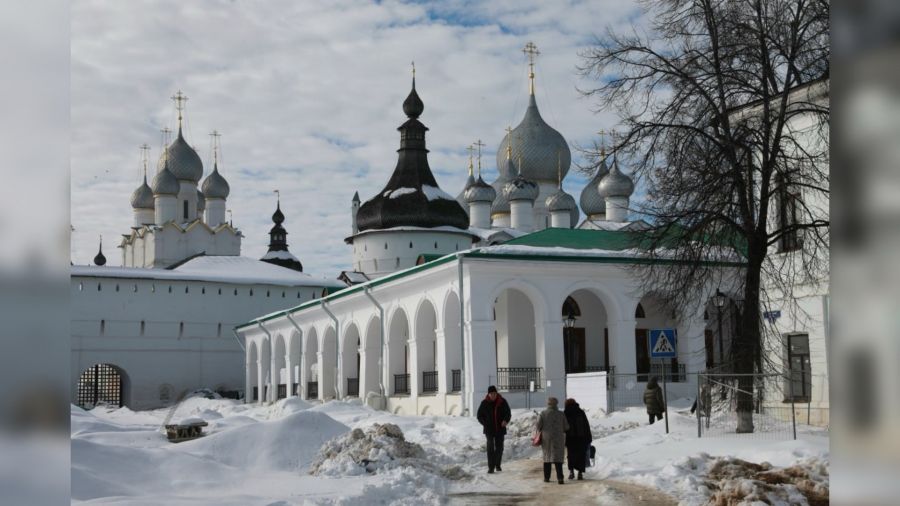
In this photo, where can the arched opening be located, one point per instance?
(329, 364)
(516, 341)
(252, 393)
(426, 348)
(310, 377)
(102, 385)
(294, 352)
(657, 315)
(398, 354)
(452, 344)
(350, 363)
(279, 368)
(585, 333)
(265, 377)
(372, 367)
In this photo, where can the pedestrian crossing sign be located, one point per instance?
(662, 343)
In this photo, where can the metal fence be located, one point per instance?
(312, 389)
(401, 384)
(457, 380)
(518, 378)
(353, 387)
(429, 382)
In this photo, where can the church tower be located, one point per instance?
(278, 253)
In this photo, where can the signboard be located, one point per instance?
(771, 316)
(662, 343)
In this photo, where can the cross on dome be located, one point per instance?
(479, 145)
(179, 98)
(531, 51)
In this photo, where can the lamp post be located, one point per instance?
(719, 301)
(569, 323)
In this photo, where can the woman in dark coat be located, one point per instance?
(578, 438)
(653, 399)
(553, 425)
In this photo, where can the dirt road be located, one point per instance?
(522, 482)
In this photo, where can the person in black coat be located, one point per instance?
(578, 438)
(494, 415)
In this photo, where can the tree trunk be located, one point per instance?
(747, 349)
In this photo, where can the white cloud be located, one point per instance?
(308, 97)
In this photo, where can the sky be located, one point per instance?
(307, 97)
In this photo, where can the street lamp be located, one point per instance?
(719, 301)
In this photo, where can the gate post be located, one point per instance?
(697, 403)
(666, 400)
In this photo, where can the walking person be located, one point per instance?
(653, 399)
(578, 438)
(553, 425)
(494, 416)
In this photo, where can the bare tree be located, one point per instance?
(724, 122)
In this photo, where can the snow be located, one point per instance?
(222, 269)
(721, 254)
(278, 255)
(435, 193)
(392, 194)
(265, 455)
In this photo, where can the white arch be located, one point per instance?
(610, 302)
(279, 352)
(350, 358)
(329, 367)
(252, 371)
(538, 301)
(425, 338)
(397, 337)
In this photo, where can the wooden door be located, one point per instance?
(574, 350)
(642, 353)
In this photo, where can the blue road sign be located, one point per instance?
(662, 343)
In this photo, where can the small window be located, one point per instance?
(185, 288)
(366, 247)
(398, 262)
(283, 294)
(170, 288)
(251, 292)
(99, 287)
(298, 295)
(117, 288)
(203, 290)
(143, 327)
(219, 330)
(435, 245)
(102, 327)
(410, 244)
(80, 286)
(268, 293)
(134, 288)
(180, 329)
(385, 245)
(639, 311)
(185, 207)
(220, 291)
(235, 291)
(153, 288)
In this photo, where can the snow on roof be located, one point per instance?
(278, 255)
(715, 254)
(220, 269)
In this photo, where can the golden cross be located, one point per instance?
(414, 69)
(165, 147)
(179, 98)
(508, 142)
(145, 156)
(531, 51)
(470, 149)
(559, 168)
(480, 145)
(602, 134)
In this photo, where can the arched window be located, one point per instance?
(570, 307)
(180, 329)
(143, 327)
(639, 311)
(102, 327)
(219, 330)
(185, 209)
(410, 244)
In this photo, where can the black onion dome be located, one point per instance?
(99, 258)
(278, 253)
(411, 197)
(184, 162)
(278, 216)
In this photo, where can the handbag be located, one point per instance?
(536, 439)
(589, 453)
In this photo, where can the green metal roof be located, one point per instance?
(574, 238)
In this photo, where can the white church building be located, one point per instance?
(438, 310)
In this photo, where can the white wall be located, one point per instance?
(379, 253)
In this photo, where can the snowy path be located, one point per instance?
(521, 482)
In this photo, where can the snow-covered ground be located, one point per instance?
(265, 455)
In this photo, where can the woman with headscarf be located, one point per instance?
(553, 425)
(653, 399)
(578, 438)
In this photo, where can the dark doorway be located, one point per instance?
(101, 384)
(642, 354)
(573, 340)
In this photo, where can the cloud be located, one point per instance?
(308, 96)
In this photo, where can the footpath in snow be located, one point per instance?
(298, 452)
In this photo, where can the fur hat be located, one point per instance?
(492, 389)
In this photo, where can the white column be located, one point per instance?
(522, 215)
(617, 209)
(322, 375)
(480, 214)
(554, 361)
(560, 219)
(290, 373)
(440, 358)
(304, 373)
(248, 381)
(260, 380)
(364, 385)
(621, 345)
(415, 371)
(275, 377)
(480, 362)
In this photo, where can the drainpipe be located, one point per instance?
(368, 292)
(337, 355)
(302, 351)
(462, 338)
(271, 351)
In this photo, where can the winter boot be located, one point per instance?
(571, 474)
(580, 475)
(546, 472)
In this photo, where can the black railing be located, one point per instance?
(401, 384)
(518, 378)
(312, 390)
(456, 384)
(429, 382)
(295, 389)
(282, 391)
(610, 373)
(353, 387)
(255, 393)
(669, 373)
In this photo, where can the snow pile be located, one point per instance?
(379, 448)
(736, 481)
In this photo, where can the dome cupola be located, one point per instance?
(100, 258)
(184, 162)
(215, 186)
(615, 184)
(480, 191)
(592, 204)
(164, 182)
(142, 197)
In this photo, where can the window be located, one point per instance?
(235, 291)
(251, 292)
(102, 327)
(219, 330)
(185, 288)
(435, 244)
(80, 286)
(385, 245)
(799, 380)
(185, 207)
(639, 311)
(143, 327)
(410, 245)
(789, 205)
(170, 288)
(134, 288)
(180, 329)
(153, 288)
(117, 288)
(99, 287)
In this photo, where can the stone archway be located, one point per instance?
(372, 372)
(398, 354)
(519, 352)
(350, 361)
(426, 349)
(452, 344)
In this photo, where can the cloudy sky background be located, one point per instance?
(307, 96)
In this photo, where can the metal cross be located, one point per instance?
(470, 149)
(508, 141)
(479, 145)
(145, 156)
(179, 98)
(278, 195)
(215, 140)
(531, 51)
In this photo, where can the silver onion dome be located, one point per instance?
(616, 184)
(501, 202)
(479, 191)
(539, 146)
(215, 186)
(165, 183)
(591, 202)
(521, 189)
(142, 197)
(184, 162)
(560, 201)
